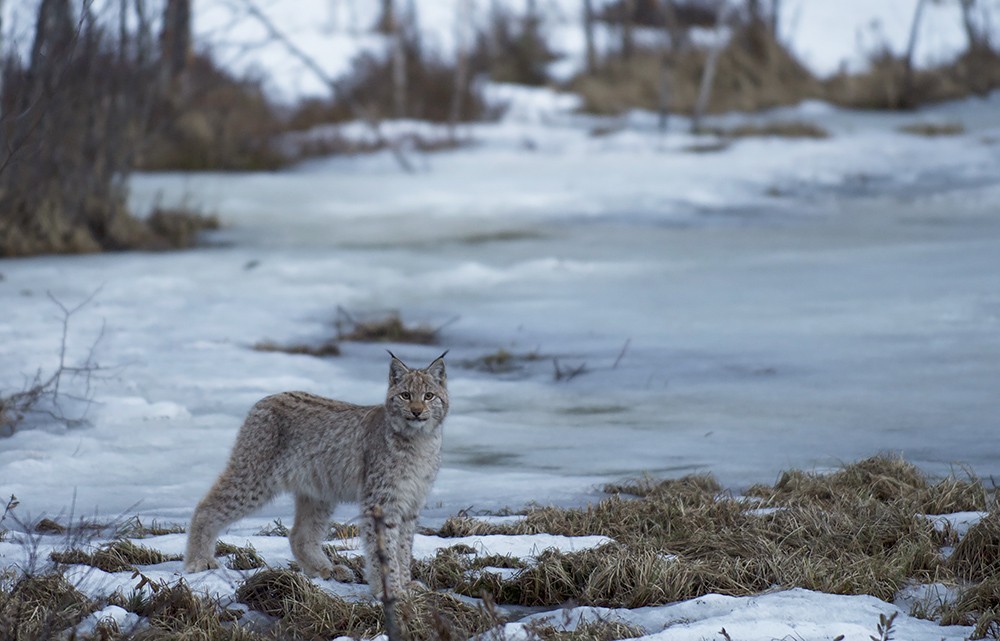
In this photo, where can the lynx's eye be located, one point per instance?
(405, 396)
(428, 396)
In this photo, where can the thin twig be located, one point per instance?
(621, 354)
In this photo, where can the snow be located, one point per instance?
(774, 304)
(789, 614)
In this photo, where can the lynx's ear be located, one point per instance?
(396, 369)
(436, 370)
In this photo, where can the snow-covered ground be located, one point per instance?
(774, 304)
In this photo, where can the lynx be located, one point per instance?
(324, 452)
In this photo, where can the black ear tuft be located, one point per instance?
(396, 369)
(437, 371)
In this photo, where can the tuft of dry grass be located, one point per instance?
(977, 555)
(240, 558)
(857, 531)
(39, 607)
(880, 478)
(324, 349)
(693, 487)
(388, 329)
(119, 556)
(306, 611)
(598, 630)
(179, 228)
(777, 129)
(502, 361)
(934, 129)
(176, 612)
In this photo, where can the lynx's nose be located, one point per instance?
(416, 412)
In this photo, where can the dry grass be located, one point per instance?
(240, 558)
(884, 85)
(755, 72)
(119, 556)
(322, 350)
(977, 555)
(934, 130)
(306, 611)
(387, 329)
(176, 612)
(38, 607)
(179, 228)
(857, 531)
(503, 361)
(599, 630)
(778, 129)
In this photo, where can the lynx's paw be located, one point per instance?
(342, 574)
(200, 565)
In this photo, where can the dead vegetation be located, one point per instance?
(305, 611)
(597, 630)
(777, 129)
(322, 350)
(934, 129)
(118, 556)
(388, 328)
(859, 530)
(503, 361)
(40, 607)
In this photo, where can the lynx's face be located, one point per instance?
(418, 398)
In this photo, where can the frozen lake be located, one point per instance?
(781, 304)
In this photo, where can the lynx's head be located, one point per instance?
(417, 398)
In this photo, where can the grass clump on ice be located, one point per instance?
(860, 530)
(118, 556)
(305, 611)
(387, 329)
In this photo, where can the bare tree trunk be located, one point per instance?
(977, 39)
(387, 19)
(666, 72)
(463, 24)
(53, 34)
(628, 37)
(588, 35)
(911, 47)
(398, 72)
(775, 17)
(175, 44)
(708, 74)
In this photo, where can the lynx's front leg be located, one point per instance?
(380, 535)
(404, 542)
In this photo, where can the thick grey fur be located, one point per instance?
(326, 452)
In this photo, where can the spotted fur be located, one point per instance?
(326, 452)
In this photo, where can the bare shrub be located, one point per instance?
(218, 122)
(75, 115)
(755, 71)
(513, 48)
(885, 84)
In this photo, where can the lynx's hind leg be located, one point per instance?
(235, 494)
(312, 521)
